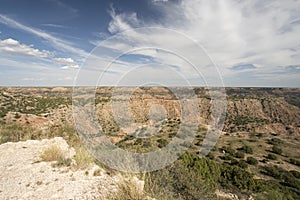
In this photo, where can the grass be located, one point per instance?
(52, 153)
(83, 158)
(127, 189)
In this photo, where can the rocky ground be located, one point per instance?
(24, 176)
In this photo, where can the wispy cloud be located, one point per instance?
(13, 47)
(55, 25)
(64, 6)
(56, 42)
(243, 67)
(118, 24)
(264, 34)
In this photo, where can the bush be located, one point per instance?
(275, 141)
(272, 156)
(246, 149)
(239, 154)
(234, 161)
(228, 157)
(228, 150)
(243, 164)
(296, 174)
(252, 161)
(285, 177)
(273, 171)
(295, 162)
(277, 150)
(233, 176)
(190, 177)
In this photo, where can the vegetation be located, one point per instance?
(277, 150)
(83, 158)
(239, 163)
(295, 162)
(52, 153)
(252, 161)
(246, 149)
(272, 156)
(127, 189)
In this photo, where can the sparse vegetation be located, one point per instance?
(272, 156)
(252, 161)
(239, 163)
(277, 150)
(246, 149)
(127, 189)
(52, 153)
(295, 162)
(83, 158)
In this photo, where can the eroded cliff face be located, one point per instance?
(247, 109)
(266, 115)
(256, 111)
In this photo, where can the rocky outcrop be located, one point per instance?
(24, 176)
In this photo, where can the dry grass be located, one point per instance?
(127, 189)
(53, 153)
(83, 158)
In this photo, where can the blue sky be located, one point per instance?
(47, 42)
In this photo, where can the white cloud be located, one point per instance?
(233, 32)
(55, 41)
(122, 22)
(69, 63)
(13, 47)
(70, 67)
(64, 60)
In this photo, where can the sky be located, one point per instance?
(232, 43)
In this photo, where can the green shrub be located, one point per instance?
(239, 154)
(228, 150)
(286, 178)
(252, 161)
(272, 156)
(243, 164)
(246, 149)
(277, 150)
(295, 162)
(273, 171)
(190, 177)
(296, 174)
(227, 157)
(235, 177)
(275, 141)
